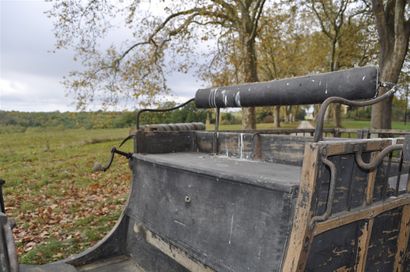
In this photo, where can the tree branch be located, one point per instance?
(255, 20)
(322, 26)
(399, 21)
(381, 24)
(231, 9)
(194, 12)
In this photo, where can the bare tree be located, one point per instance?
(393, 27)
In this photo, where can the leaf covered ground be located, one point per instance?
(60, 206)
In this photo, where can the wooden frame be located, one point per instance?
(302, 235)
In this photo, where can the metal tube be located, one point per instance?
(3, 208)
(217, 116)
(356, 83)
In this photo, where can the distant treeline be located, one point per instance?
(14, 121)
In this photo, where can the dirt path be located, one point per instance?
(305, 124)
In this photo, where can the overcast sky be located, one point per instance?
(30, 74)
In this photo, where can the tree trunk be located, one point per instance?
(382, 111)
(276, 117)
(337, 115)
(393, 30)
(248, 118)
(286, 119)
(250, 74)
(208, 118)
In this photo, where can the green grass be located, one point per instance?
(61, 207)
(360, 124)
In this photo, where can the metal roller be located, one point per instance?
(352, 84)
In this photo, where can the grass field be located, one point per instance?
(366, 124)
(61, 207)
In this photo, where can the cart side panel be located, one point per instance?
(341, 247)
(383, 242)
(221, 222)
(286, 149)
(364, 225)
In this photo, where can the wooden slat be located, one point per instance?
(346, 147)
(363, 245)
(175, 253)
(301, 235)
(404, 233)
(366, 230)
(361, 214)
(402, 240)
(371, 180)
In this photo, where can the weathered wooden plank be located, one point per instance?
(164, 142)
(371, 180)
(334, 250)
(402, 240)
(180, 256)
(301, 234)
(349, 146)
(383, 242)
(358, 185)
(204, 141)
(343, 183)
(273, 148)
(283, 150)
(407, 258)
(363, 245)
(368, 212)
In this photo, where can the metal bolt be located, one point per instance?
(187, 199)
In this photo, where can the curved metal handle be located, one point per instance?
(378, 159)
(334, 99)
(331, 194)
(161, 110)
(114, 150)
(98, 167)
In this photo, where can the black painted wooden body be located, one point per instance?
(192, 210)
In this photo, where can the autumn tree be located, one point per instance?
(280, 48)
(290, 46)
(393, 27)
(343, 23)
(137, 69)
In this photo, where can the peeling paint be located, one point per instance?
(238, 99)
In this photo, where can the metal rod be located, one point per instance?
(321, 116)
(399, 174)
(215, 145)
(3, 208)
(378, 159)
(331, 194)
(161, 110)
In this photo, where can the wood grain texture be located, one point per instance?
(301, 234)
